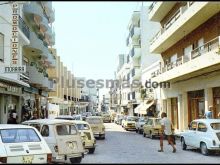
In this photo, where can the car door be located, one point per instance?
(189, 136)
(201, 134)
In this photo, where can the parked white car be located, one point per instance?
(63, 138)
(21, 144)
(203, 134)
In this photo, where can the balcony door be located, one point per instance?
(187, 52)
(216, 99)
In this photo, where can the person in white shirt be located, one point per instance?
(166, 128)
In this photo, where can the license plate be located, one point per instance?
(28, 159)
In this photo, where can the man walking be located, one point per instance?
(166, 128)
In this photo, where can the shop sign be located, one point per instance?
(10, 88)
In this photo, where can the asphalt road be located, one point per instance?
(122, 146)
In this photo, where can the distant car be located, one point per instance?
(152, 127)
(203, 134)
(106, 117)
(129, 123)
(97, 125)
(139, 124)
(62, 137)
(22, 144)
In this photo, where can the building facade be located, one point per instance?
(188, 42)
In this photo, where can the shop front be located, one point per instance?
(10, 101)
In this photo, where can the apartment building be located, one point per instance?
(30, 25)
(140, 30)
(188, 42)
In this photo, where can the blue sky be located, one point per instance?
(90, 35)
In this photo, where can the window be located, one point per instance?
(1, 47)
(193, 126)
(83, 126)
(37, 126)
(202, 127)
(187, 52)
(45, 131)
(150, 122)
(215, 126)
(66, 129)
(19, 135)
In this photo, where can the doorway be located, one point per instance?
(174, 112)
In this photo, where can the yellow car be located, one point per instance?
(152, 127)
(106, 117)
(87, 134)
(130, 123)
(97, 125)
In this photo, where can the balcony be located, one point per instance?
(51, 86)
(50, 12)
(33, 11)
(24, 28)
(44, 24)
(202, 60)
(184, 21)
(36, 45)
(135, 52)
(158, 10)
(36, 78)
(135, 33)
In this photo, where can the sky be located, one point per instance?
(90, 35)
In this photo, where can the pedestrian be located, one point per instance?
(150, 113)
(12, 119)
(166, 128)
(208, 114)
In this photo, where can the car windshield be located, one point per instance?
(66, 129)
(215, 126)
(131, 119)
(157, 121)
(19, 135)
(83, 126)
(94, 121)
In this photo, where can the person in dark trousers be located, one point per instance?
(11, 119)
(166, 128)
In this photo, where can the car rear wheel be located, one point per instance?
(204, 149)
(91, 150)
(183, 144)
(76, 160)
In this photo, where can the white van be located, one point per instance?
(63, 138)
(22, 144)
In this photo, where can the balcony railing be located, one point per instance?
(207, 47)
(24, 28)
(171, 21)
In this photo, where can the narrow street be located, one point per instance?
(122, 146)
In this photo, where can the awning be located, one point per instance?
(142, 108)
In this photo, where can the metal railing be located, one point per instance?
(170, 22)
(24, 28)
(207, 47)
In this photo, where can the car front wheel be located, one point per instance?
(183, 144)
(91, 150)
(204, 149)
